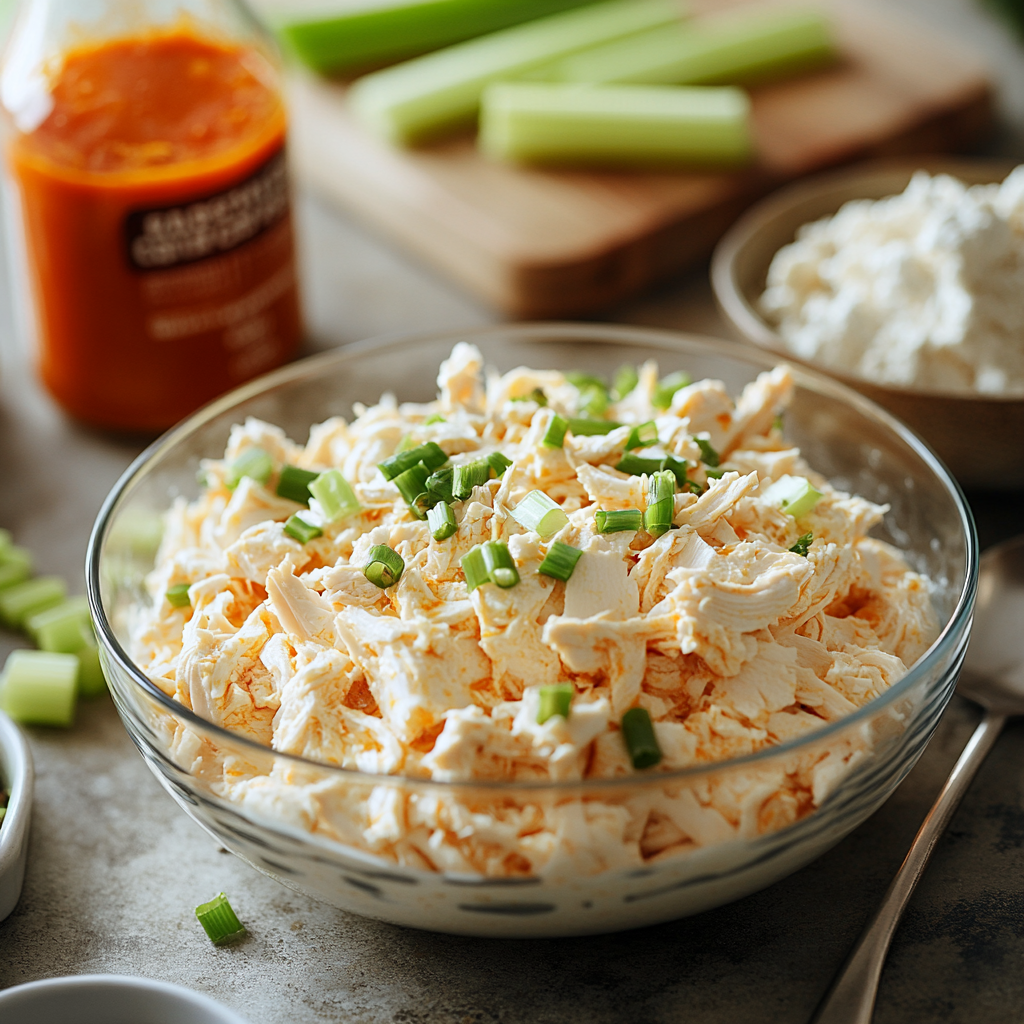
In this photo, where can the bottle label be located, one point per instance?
(171, 236)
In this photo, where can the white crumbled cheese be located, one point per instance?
(921, 289)
(728, 639)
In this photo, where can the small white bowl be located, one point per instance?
(16, 775)
(110, 999)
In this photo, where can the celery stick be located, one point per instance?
(5, 541)
(59, 629)
(17, 603)
(91, 682)
(370, 34)
(39, 688)
(424, 97)
(15, 566)
(615, 124)
(728, 50)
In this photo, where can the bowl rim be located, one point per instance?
(743, 315)
(547, 331)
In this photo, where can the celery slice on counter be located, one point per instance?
(17, 603)
(59, 629)
(357, 36)
(15, 566)
(731, 49)
(425, 97)
(39, 687)
(91, 681)
(615, 124)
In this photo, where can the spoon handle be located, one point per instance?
(851, 999)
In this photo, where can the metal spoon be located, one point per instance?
(993, 676)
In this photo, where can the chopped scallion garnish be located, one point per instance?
(498, 463)
(385, 566)
(297, 528)
(430, 454)
(803, 545)
(411, 483)
(580, 380)
(433, 418)
(593, 400)
(293, 483)
(661, 489)
(540, 513)
(334, 495)
(589, 428)
(474, 568)
(619, 520)
(626, 378)
(20, 601)
(254, 463)
(638, 465)
(560, 561)
(499, 563)
(470, 475)
(643, 435)
(536, 395)
(638, 735)
(441, 520)
(667, 387)
(405, 444)
(555, 699)
(554, 436)
(177, 595)
(439, 485)
(795, 495)
(219, 921)
(708, 455)
(40, 687)
(714, 474)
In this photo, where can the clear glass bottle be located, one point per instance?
(144, 144)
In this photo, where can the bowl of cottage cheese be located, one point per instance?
(903, 281)
(536, 629)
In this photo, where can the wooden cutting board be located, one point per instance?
(545, 243)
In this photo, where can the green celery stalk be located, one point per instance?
(371, 34)
(425, 97)
(616, 124)
(39, 688)
(726, 50)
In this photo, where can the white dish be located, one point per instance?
(17, 776)
(110, 999)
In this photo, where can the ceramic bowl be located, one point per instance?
(302, 843)
(109, 999)
(16, 776)
(977, 436)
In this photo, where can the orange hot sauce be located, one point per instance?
(157, 227)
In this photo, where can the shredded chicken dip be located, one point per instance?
(734, 630)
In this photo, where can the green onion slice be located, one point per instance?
(385, 567)
(219, 921)
(470, 475)
(593, 400)
(795, 495)
(590, 428)
(554, 436)
(560, 561)
(618, 520)
(667, 387)
(536, 395)
(293, 483)
(254, 463)
(412, 482)
(540, 513)
(433, 418)
(499, 564)
(708, 455)
(638, 465)
(439, 485)
(177, 595)
(555, 700)
(580, 380)
(714, 474)
(661, 489)
(803, 545)
(297, 528)
(335, 495)
(626, 378)
(430, 454)
(643, 435)
(638, 735)
(498, 463)
(441, 520)
(474, 568)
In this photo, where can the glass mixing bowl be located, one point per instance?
(308, 843)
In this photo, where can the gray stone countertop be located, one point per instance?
(115, 868)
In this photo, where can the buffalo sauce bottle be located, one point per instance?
(148, 166)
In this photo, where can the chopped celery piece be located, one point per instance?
(540, 513)
(15, 567)
(795, 495)
(365, 34)
(138, 531)
(733, 49)
(59, 629)
(429, 95)
(39, 687)
(615, 124)
(5, 542)
(334, 495)
(177, 595)
(91, 681)
(17, 603)
(555, 699)
(219, 921)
